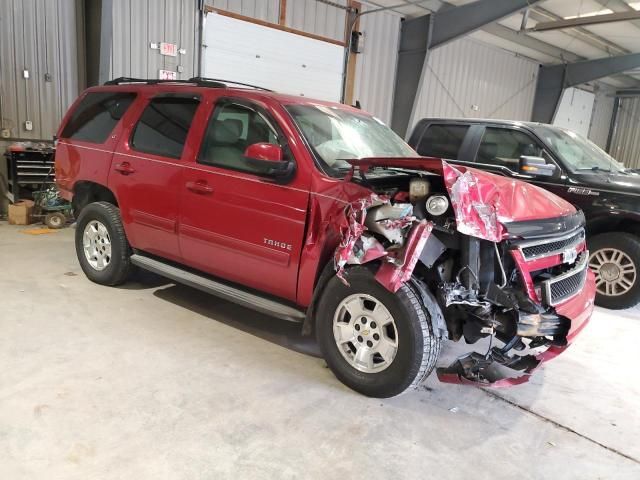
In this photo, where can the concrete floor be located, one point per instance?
(159, 381)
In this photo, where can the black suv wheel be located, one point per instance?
(615, 259)
(101, 244)
(376, 342)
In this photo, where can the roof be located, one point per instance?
(484, 120)
(552, 46)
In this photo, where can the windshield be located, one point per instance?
(337, 135)
(578, 153)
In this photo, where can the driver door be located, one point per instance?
(234, 222)
(500, 149)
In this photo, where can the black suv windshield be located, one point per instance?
(337, 135)
(577, 153)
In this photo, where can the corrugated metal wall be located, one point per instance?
(376, 66)
(467, 73)
(138, 23)
(601, 118)
(267, 10)
(40, 36)
(625, 145)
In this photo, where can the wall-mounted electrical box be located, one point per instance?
(28, 125)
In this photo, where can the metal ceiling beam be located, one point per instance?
(421, 34)
(619, 6)
(553, 79)
(585, 21)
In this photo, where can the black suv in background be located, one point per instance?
(566, 164)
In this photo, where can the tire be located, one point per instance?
(115, 266)
(55, 220)
(418, 347)
(615, 259)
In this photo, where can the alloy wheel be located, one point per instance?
(97, 245)
(365, 333)
(615, 271)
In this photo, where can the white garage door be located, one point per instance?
(574, 111)
(286, 62)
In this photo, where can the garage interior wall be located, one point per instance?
(625, 145)
(40, 37)
(44, 38)
(376, 65)
(470, 79)
(601, 117)
(139, 23)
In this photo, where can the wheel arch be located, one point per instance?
(86, 192)
(610, 223)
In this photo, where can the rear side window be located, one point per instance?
(442, 141)
(96, 116)
(164, 125)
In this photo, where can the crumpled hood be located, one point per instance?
(483, 202)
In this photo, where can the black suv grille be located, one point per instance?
(561, 288)
(550, 247)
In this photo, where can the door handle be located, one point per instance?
(124, 168)
(199, 186)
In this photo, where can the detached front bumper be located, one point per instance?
(496, 370)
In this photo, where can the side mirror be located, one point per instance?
(266, 160)
(267, 152)
(536, 166)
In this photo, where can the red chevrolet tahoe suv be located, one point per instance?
(318, 213)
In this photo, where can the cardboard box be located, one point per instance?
(20, 212)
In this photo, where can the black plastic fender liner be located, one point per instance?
(327, 273)
(436, 316)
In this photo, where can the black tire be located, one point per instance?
(119, 266)
(55, 220)
(628, 244)
(418, 346)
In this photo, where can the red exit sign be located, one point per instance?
(170, 49)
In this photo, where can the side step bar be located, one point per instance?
(233, 294)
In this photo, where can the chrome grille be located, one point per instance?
(561, 288)
(550, 246)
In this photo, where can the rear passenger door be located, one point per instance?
(235, 223)
(450, 142)
(146, 171)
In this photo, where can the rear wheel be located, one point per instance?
(615, 260)
(101, 244)
(376, 342)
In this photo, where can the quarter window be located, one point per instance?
(232, 128)
(504, 147)
(96, 116)
(164, 125)
(443, 141)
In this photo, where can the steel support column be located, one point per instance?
(553, 79)
(419, 35)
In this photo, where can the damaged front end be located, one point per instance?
(492, 258)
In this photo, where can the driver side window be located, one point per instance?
(504, 147)
(232, 128)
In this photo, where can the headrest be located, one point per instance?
(227, 132)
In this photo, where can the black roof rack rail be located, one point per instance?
(199, 81)
(120, 80)
(205, 81)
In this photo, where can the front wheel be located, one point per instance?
(615, 260)
(376, 342)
